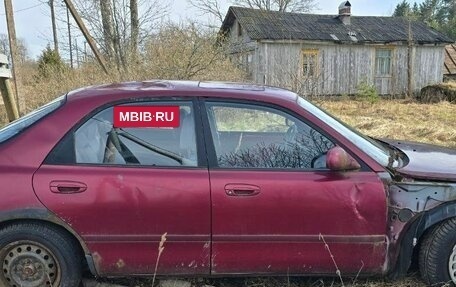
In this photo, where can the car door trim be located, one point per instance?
(146, 237)
(368, 239)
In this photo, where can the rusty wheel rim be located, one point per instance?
(29, 264)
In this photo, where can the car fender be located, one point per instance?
(46, 216)
(415, 230)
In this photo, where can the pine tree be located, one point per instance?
(50, 62)
(403, 9)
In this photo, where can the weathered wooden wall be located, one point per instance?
(342, 68)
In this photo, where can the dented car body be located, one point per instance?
(253, 180)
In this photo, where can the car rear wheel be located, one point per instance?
(438, 254)
(35, 255)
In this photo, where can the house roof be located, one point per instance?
(274, 25)
(450, 60)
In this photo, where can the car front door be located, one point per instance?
(276, 208)
(139, 197)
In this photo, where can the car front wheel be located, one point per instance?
(36, 255)
(438, 254)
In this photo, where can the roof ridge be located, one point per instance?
(277, 25)
(313, 14)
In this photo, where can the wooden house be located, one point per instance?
(334, 54)
(449, 70)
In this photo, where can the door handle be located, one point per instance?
(61, 186)
(241, 190)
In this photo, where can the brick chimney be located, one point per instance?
(345, 12)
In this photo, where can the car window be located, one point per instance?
(249, 136)
(370, 146)
(97, 141)
(26, 121)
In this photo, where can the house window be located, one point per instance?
(309, 63)
(239, 30)
(383, 62)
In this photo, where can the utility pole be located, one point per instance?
(54, 27)
(87, 36)
(13, 49)
(69, 38)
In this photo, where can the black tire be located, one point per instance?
(436, 250)
(38, 255)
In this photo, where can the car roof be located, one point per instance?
(157, 88)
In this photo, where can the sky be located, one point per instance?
(34, 26)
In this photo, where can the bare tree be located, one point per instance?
(108, 26)
(54, 26)
(4, 45)
(187, 52)
(134, 26)
(22, 52)
(214, 7)
(210, 7)
(300, 6)
(121, 27)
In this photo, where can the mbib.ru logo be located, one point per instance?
(146, 117)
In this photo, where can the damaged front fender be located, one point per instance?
(415, 206)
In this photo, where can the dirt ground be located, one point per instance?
(412, 281)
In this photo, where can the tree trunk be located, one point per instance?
(120, 53)
(54, 27)
(134, 28)
(108, 27)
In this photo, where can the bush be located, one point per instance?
(367, 92)
(50, 63)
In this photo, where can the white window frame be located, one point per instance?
(384, 63)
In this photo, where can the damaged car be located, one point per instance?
(215, 179)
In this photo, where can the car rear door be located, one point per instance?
(129, 191)
(276, 208)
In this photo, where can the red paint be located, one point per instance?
(146, 117)
(216, 221)
(338, 159)
(282, 224)
(127, 208)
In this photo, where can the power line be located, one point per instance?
(25, 9)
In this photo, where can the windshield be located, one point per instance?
(373, 148)
(24, 122)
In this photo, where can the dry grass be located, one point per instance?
(399, 119)
(312, 282)
(451, 84)
(412, 281)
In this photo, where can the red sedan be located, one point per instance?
(215, 179)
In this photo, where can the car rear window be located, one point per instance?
(24, 122)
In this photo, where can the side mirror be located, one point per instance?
(337, 159)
